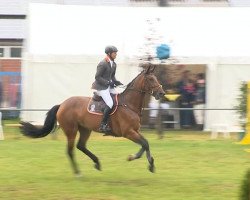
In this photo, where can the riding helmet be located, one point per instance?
(110, 49)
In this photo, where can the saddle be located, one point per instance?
(96, 104)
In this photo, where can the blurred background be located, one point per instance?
(50, 49)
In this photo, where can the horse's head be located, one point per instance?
(146, 83)
(151, 84)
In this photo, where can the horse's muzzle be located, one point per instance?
(159, 94)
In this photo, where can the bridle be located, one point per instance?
(143, 90)
(151, 89)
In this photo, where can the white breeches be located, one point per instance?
(199, 114)
(105, 94)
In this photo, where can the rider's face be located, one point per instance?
(113, 55)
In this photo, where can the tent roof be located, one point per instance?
(87, 30)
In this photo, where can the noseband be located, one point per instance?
(144, 91)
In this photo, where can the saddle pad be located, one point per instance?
(97, 107)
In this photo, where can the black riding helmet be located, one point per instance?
(110, 49)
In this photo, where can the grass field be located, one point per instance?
(189, 166)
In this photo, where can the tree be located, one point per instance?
(241, 107)
(245, 187)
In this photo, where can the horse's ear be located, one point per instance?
(149, 68)
(152, 68)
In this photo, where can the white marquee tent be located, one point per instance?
(65, 44)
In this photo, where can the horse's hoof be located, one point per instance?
(98, 166)
(151, 168)
(130, 158)
(78, 175)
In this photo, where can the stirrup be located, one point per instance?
(104, 128)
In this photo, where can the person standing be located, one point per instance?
(104, 83)
(200, 99)
(186, 89)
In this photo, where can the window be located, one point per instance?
(1, 52)
(15, 52)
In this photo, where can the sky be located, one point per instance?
(75, 30)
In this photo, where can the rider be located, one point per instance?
(105, 82)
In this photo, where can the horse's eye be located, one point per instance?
(151, 79)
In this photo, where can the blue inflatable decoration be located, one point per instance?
(163, 51)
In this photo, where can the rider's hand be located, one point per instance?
(112, 84)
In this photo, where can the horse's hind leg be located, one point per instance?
(84, 136)
(70, 131)
(139, 139)
(71, 142)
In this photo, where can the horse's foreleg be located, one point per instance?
(136, 156)
(84, 135)
(151, 166)
(139, 139)
(145, 145)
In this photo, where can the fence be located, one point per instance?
(160, 122)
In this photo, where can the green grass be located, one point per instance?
(189, 166)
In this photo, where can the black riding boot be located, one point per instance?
(104, 127)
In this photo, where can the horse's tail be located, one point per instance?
(49, 126)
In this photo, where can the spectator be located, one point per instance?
(1, 93)
(186, 89)
(154, 106)
(200, 100)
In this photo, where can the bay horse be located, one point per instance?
(72, 116)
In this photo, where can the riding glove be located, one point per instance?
(112, 84)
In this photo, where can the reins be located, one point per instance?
(129, 87)
(141, 91)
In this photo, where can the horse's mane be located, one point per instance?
(132, 82)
